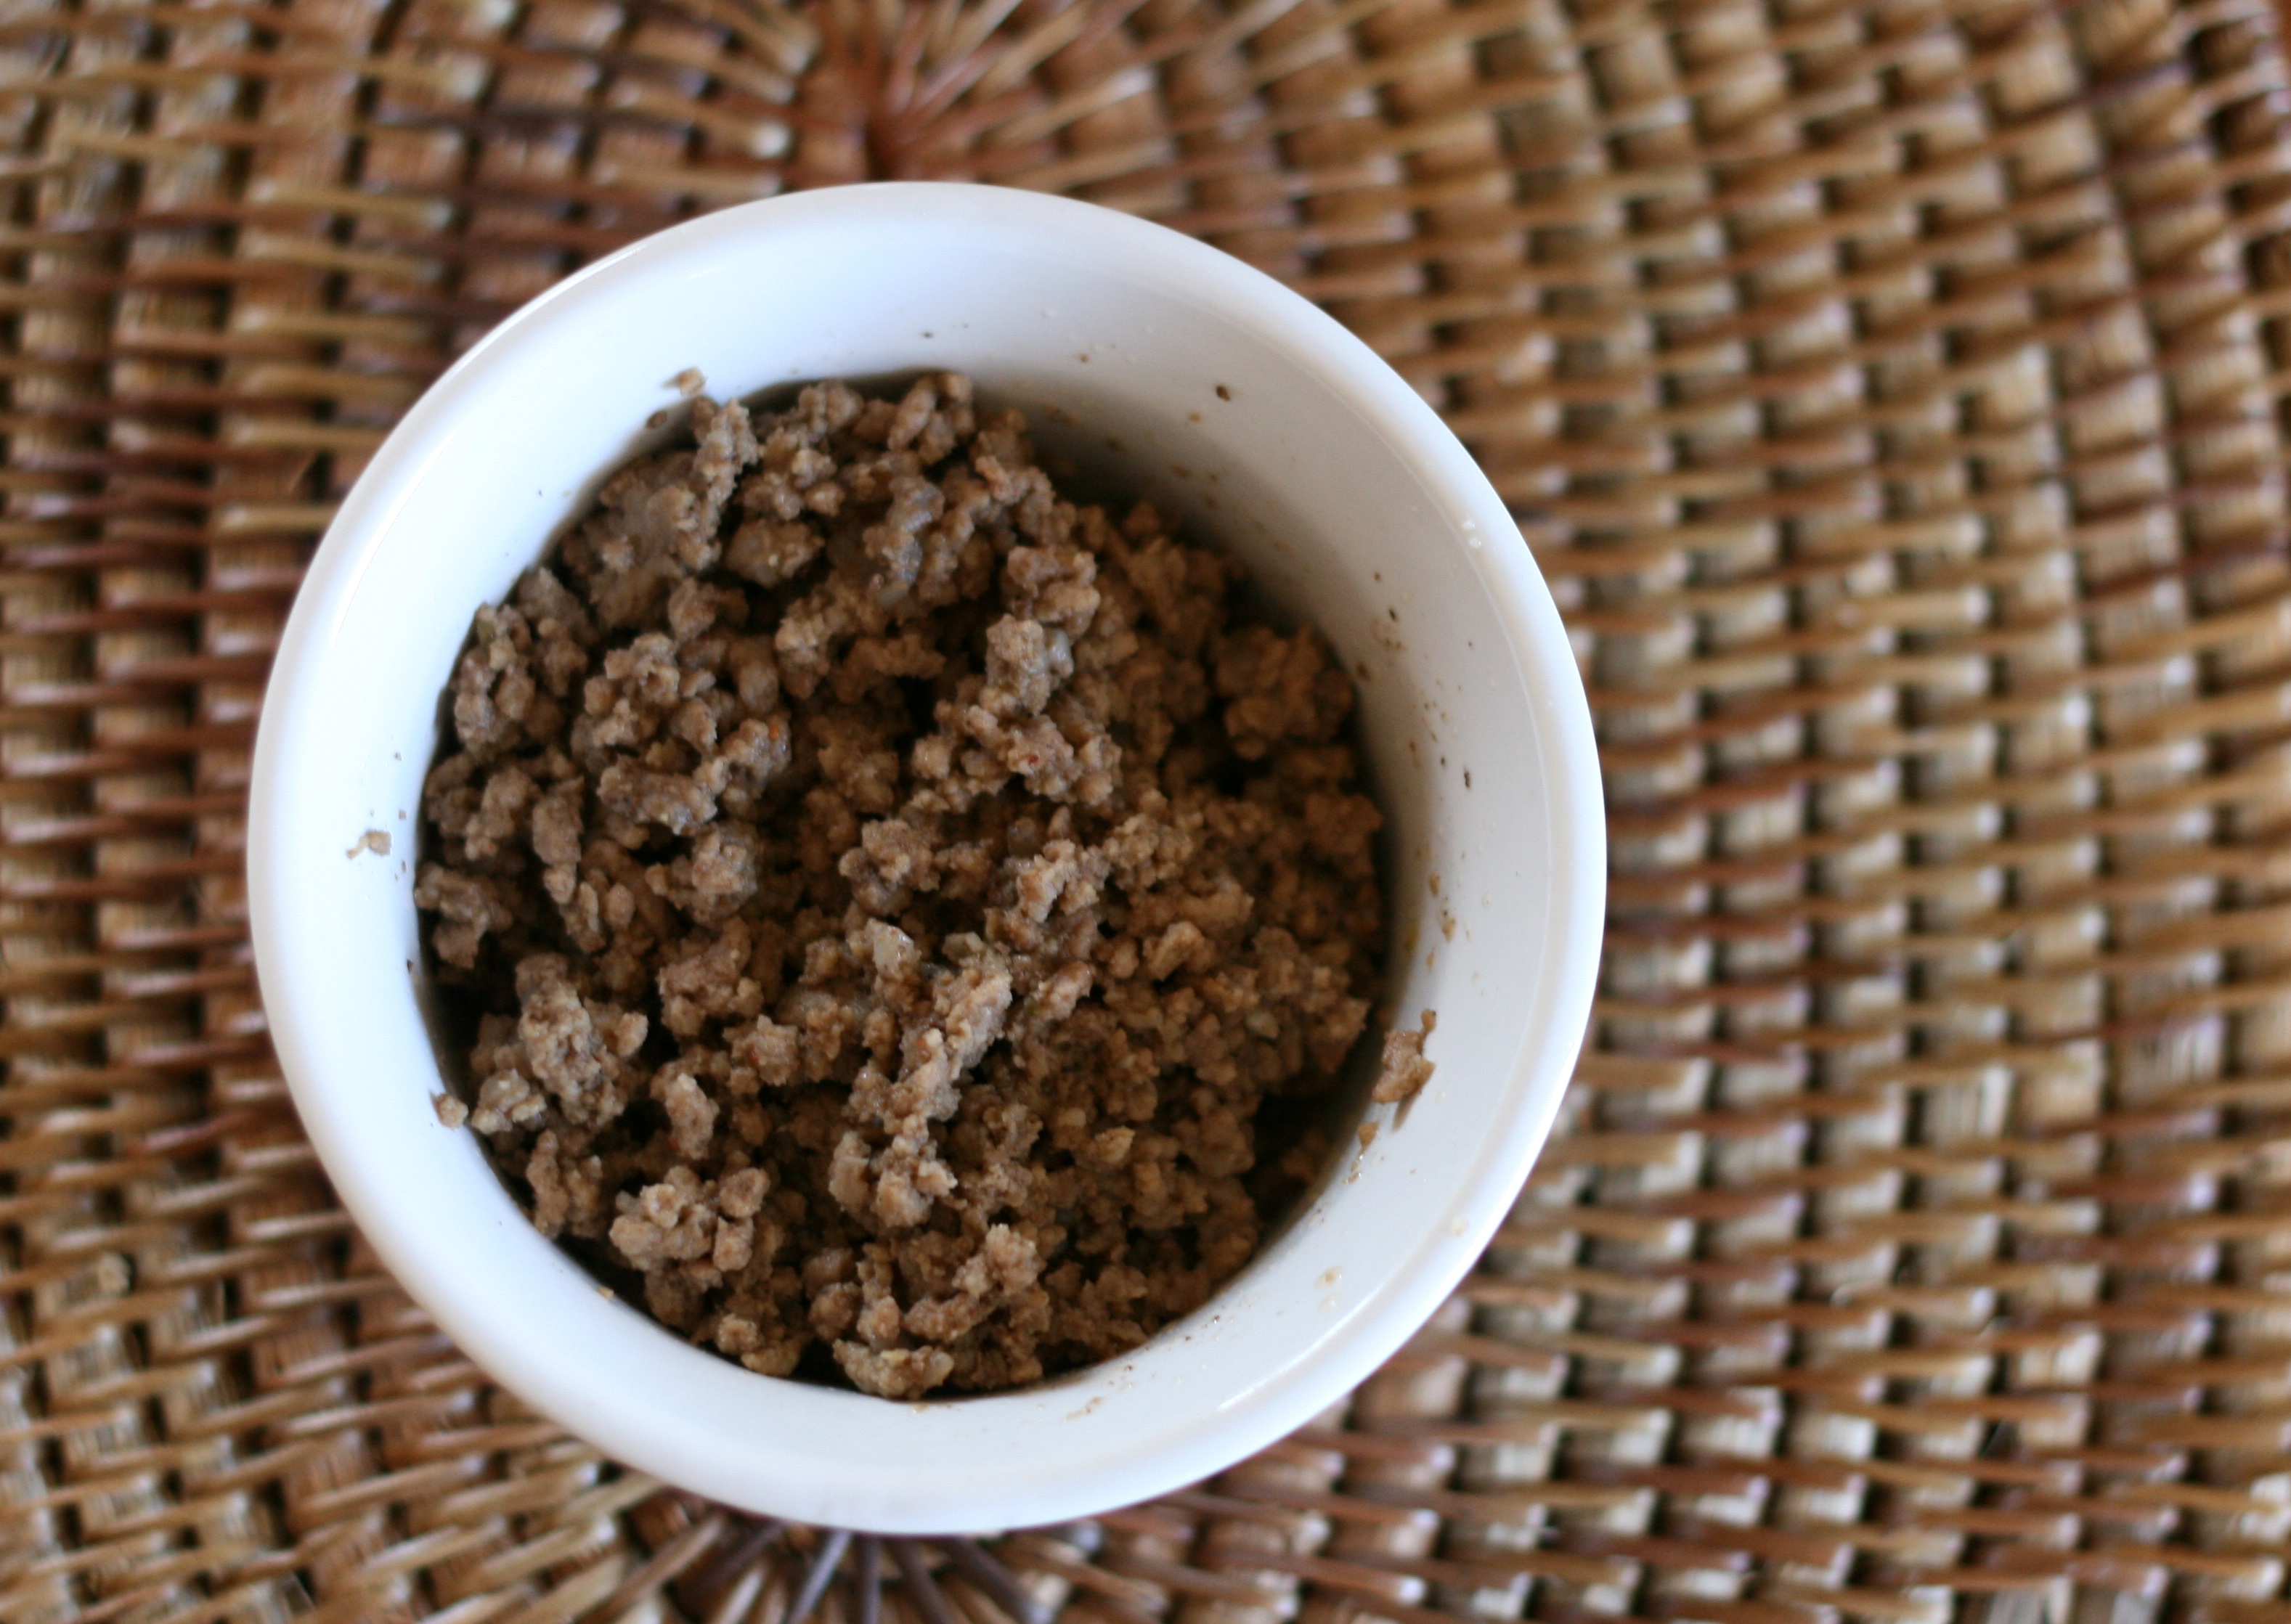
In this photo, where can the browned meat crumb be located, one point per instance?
(889, 891)
(1405, 1071)
(451, 1111)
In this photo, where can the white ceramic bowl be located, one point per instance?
(1237, 407)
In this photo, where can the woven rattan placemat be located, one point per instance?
(1894, 395)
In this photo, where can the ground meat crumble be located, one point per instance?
(1403, 1071)
(889, 892)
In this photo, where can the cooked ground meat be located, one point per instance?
(890, 891)
(1403, 1071)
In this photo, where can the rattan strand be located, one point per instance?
(1894, 394)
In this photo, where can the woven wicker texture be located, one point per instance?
(1893, 393)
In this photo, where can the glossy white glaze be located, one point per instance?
(1234, 403)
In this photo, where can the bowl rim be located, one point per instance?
(548, 1377)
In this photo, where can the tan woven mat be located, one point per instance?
(1894, 393)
